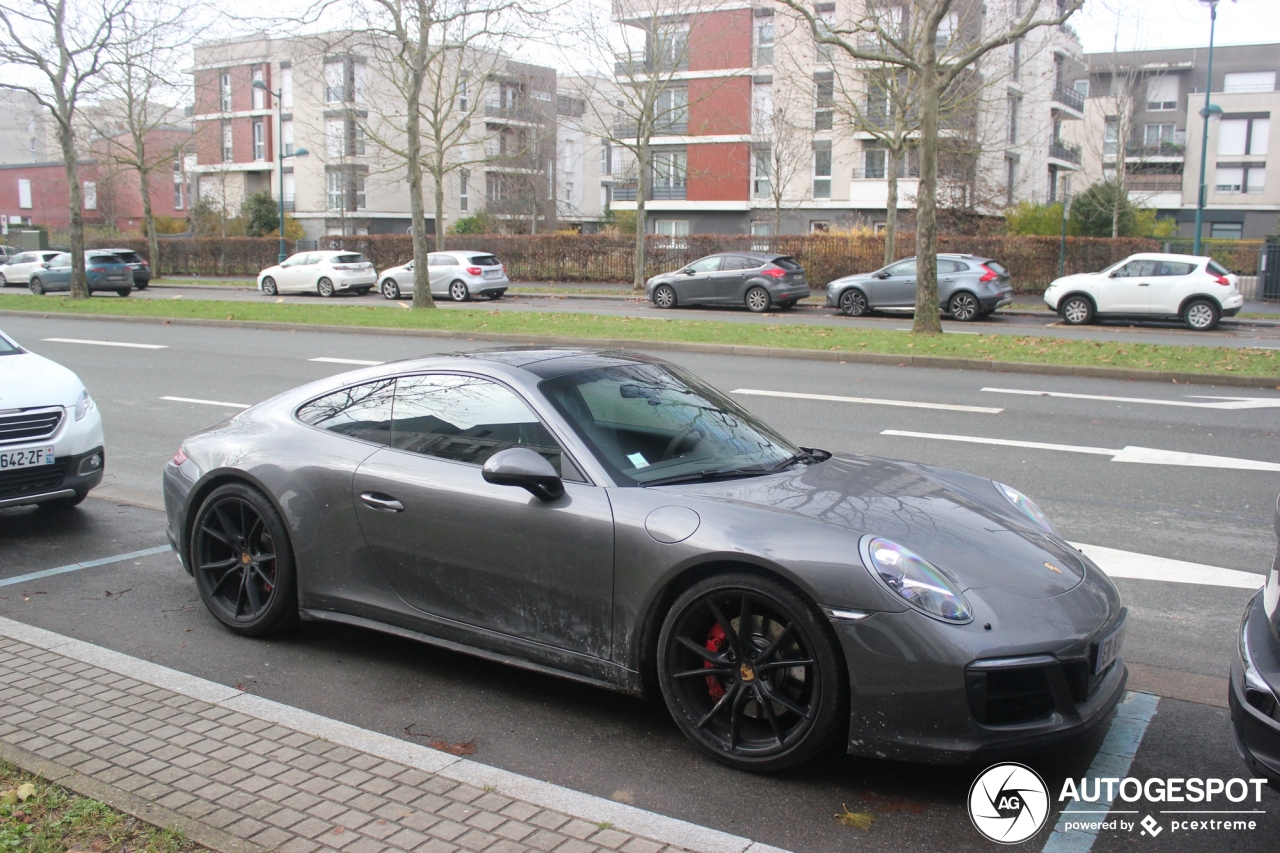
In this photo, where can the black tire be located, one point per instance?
(853, 303)
(787, 306)
(1201, 315)
(458, 291)
(389, 289)
(325, 288)
(124, 291)
(65, 503)
(36, 286)
(1076, 311)
(758, 300)
(239, 540)
(361, 291)
(4, 282)
(496, 295)
(141, 286)
(664, 296)
(269, 286)
(725, 712)
(964, 307)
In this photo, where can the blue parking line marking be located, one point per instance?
(1113, 760)
(87, 564)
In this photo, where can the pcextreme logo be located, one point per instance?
(1008, 803)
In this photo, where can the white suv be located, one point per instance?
(323, 272)
(1198, 291)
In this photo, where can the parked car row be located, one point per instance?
(455, 275)
(49, 271)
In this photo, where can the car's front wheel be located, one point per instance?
(664, 296)
(4, 282)
(853, 303)
(243, 561)
(458, 291)
(269, 286)
(124, 291)
(141, 285)
(751, 673)
(964, 307)
(390, 290)
(324, 287)
(1076, 310)
(758, 300)
(1201, 315)
(36, 286)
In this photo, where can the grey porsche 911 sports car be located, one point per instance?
(610, 518)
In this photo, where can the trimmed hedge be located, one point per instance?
(212, 256)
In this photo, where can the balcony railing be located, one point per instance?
(1155, 183)
(674, 127)
(1164, 149)
(638, 64)
(904, 174)
(1069, 97)
(521, 113)
(497, 161)
(288, 202)
(1062, 151)
(626, 191)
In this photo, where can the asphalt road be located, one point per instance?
(1231, 333)
(619, 747)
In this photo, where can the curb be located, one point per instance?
(843, 356)
(202, 833)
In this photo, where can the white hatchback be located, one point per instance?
(458, 275)
(19, 268)
(323, 272)
(1196, 290)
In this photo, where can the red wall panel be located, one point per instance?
(718, 171)
(720, 40)
(720, 105)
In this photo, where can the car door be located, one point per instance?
(442, 268)
(290, 276)
(491, 557)
(728, 282)
(1173, 282)
(948, 276)
(696, 282)
(895, 286)
(58, 275)
(18, 270)
(1128, 289)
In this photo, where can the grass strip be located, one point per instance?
(37, 816)
(1039, 349)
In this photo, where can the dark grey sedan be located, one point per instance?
(758, 281)
(969, 288)
(610, 518)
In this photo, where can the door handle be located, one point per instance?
(1144, 284)
(381, 503)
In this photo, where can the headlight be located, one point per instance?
(1026, 506)
(83, 404)
(915, 580)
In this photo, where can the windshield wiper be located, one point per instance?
(707, 476)
(802, 456)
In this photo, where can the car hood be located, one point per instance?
(1077, 278)
(29, 381)
(270, 271)
(965, 534)
(849, 279)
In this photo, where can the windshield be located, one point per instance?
(651, 423)
(7, 347)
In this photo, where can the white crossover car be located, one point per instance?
(1196, 290)
(458, 275)
(19, 268)
(51, 447)
(325, 272)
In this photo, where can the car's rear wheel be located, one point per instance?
(787, 306)
(1201, 315)
(390, 290)
(243, 561)
(1076, 310)
(750, 672)
(36, 286)
(963, 307)
(664, 296)
(141, 285)
(269, 286)
(853, 303)
(124, 291)
(758, 300)
(324, 287)
(458, 291)
(496, 295)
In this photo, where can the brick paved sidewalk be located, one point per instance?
(242, 774)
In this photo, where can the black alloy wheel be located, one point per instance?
(751, 673)
(964, 307)
(36, 286)
(325, 287)
(853, 303)
(458, 291)
(243, 561)
(390, 290)
(664, 296)
(269, 286)
(758, 300)
(1076, 310)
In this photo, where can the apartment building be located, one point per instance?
(338, 103)
(754, 81)
(26, 135)
(1142, 119)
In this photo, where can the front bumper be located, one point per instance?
(67, 477)
(1257, 722)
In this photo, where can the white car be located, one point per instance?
(324, 272)
(458, 275)
(1196, 290)
(18, 270)
(51, 446)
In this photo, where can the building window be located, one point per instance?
(761, 186)
(462, 190)
(286, 137)
(1249, 81)
(228, 143)
(286, 88)
(1249, 178)
(670, 173)
(761, 228)
(1162, 93)
(670, 48)
(259, 140)
(1081, 87)
(90, 195)
(1014, 107)
(1226, 231)
(825, 21)
(224, 92)
(824, 101)
(1111, 136)
(1011, 180)
(671, 110)
(606, 158)
(671, 227)
(357, 137)
(259, 95)
(822, 173)
(24, 193)
(819, 226)
(1243, 137)
(464, 97)
(179, 200)
(764, 41)
(1015, 67)
(875, 163)
(345, 190)
(340, 81)
(1155, 135)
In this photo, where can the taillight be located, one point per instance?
(1222, 280)
(180, 457)
(989, 275)
(774, 272)
(144, 263)
(97, 269)
(474, 271)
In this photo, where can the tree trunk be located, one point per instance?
(928, 320)
(149, 222)
(642, 169)
(891, 209)
(66, 139)
(413, 164)
(438, 198)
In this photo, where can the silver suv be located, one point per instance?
(969, 288)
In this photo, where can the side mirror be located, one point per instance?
(520, 466)
(882, 274)
(689, 271)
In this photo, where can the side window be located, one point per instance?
(705, 265)
(737, 262)
(1217, 268)
(945, 267)
(362, 412)
(1174, 268)
(21, 259)
(468, 419)
(62, 261)
(904, 268)
(1136, 269)
(440, 260)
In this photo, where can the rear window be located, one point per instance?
(995, 268)
(1217, 268)
(104, 259)
(129, 257)
(485, 260)
(348, 259)
(788, 264)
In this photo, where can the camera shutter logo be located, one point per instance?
(1008, 803)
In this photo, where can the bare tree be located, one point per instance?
(782, 151)
(911, 41)
(55, 50)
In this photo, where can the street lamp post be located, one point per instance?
(280, 155)
(1206, 111)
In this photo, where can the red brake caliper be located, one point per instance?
(715, 641)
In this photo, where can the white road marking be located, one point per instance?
(871, 401)
(104, 343)
(1142, 455)
(346, 361)
(206, 402)
(87, 564)
(1228, 402)
(1128, 564)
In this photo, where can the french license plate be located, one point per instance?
(493, 273)
(1109, 649)
(28, 458)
